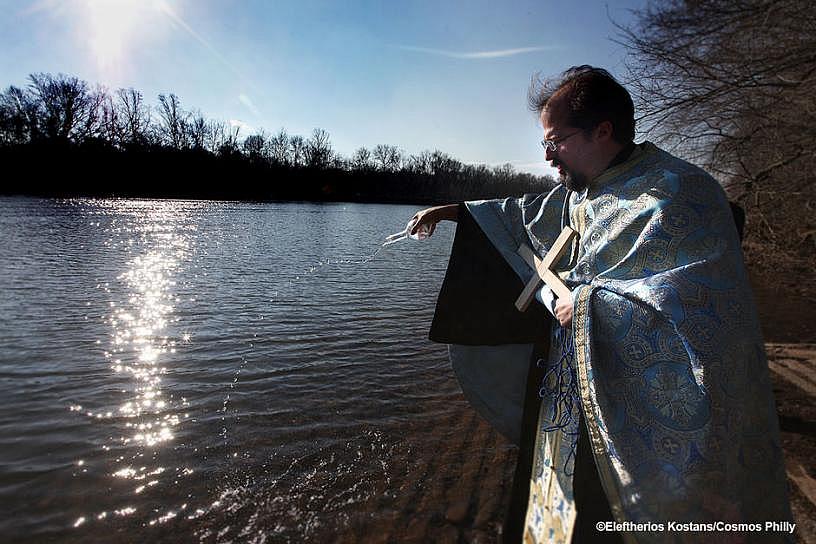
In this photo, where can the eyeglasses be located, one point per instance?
(552, 145)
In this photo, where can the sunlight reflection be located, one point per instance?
(140, 326)
(155, 242)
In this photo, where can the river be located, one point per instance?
(225, 371)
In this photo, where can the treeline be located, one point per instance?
(731, 85)
(63, 137)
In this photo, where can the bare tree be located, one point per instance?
(255, 147)
(387, 158)
(134, 116)
(504, 173)
(196, 128)
(731, 85)
(340, 163)
(444, 165)
(67, 109)
(422, 163)
(279, 148)
(229, 144)
(361, 160)
(172, 122)
(19, 119)
(297, 147)
(395, 159)
(318, 149)
(110, 123)
(91, 121)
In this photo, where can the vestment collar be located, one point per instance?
(640, 152)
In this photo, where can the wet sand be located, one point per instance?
(455, 492)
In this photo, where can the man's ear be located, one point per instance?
(603, 131)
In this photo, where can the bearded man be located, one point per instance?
(647, 400)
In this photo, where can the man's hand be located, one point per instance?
(429, 217)
(563, 311)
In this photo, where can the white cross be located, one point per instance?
(543, 268)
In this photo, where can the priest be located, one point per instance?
(640, 395)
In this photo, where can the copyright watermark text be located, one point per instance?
(693, 527)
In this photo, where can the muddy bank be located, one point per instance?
(463, 490)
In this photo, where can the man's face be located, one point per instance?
(571, 149)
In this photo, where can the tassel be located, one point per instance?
(560, 383)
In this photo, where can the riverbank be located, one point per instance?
(464, 489)
(785, 305)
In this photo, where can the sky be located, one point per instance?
(447, 75)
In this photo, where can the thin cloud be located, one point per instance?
(495, 54)
(246, 101)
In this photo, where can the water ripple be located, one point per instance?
(219, 371)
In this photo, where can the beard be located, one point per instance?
(571, 180)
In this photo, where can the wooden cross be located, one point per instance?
(543, 268)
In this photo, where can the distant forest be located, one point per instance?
(60, 136)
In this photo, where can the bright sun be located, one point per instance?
(115, 28)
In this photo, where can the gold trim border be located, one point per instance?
(580, 324)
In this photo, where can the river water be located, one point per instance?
(219, 371)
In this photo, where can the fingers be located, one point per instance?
(565, 322)
(415, 221)
(423, 218)
(563, 314)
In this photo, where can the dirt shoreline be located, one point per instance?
(467, 485)
(784, 303)
(785, 307)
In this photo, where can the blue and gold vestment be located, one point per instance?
(668, 357)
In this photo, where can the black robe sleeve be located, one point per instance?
(476, 307)
(476, 304)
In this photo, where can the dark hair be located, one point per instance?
(591, 96)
